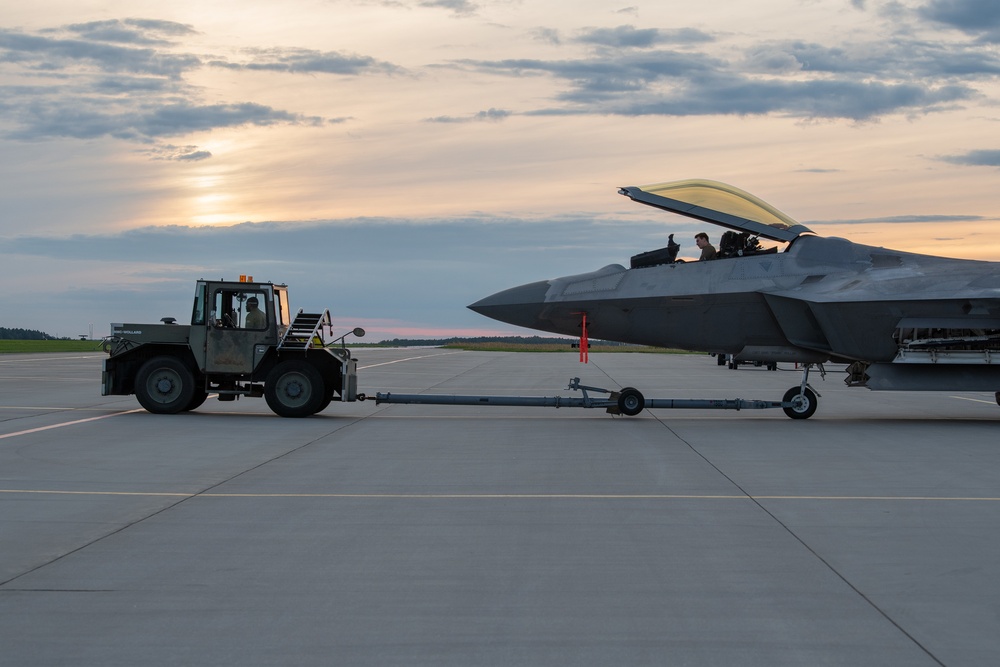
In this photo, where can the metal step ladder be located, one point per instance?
(306, 331)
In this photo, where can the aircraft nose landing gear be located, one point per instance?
(803, 403)
(803, 398)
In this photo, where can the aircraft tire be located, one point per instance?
(164, 385)
(294, 389)
(631, 402)
(805, 403)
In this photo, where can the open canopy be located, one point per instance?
(720, 204)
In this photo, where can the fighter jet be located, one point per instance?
(778, 292)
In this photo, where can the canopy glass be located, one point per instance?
(721, 204)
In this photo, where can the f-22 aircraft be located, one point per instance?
(899, 320)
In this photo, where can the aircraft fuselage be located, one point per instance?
(824, 298)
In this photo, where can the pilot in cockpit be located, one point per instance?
(707, 249)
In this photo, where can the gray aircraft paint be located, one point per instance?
(822, 299)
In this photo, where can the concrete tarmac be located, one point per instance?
(446, 535)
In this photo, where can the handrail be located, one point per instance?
(306, 336)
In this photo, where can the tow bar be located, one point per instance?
(627, 401)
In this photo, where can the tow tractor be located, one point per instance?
(242, 342)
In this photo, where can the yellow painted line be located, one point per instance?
(64, 424)
(500, 496)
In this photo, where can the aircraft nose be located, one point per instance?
(520, 306)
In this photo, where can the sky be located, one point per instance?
(395, 161)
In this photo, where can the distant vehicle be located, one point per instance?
(728, 360)
(242, 341)
(899, 320)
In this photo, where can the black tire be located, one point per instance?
(720, 359)
(805, 404)
(327, 399)
(294, 389)
(164, 385)
(630, 402)
(200, 396)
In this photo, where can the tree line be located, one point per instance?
(24, 334)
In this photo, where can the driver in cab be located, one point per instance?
(255, 317)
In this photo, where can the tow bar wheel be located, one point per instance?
(804, 403)
(630, 402)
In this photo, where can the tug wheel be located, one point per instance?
(804, 403)
(630, 402)
(164, 385)
(199, 397)
(294, 389)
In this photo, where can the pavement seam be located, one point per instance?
(756, 501)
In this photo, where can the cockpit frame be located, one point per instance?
(719, 204)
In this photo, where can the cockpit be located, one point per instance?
(747, 217)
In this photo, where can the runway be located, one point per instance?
(458, 535)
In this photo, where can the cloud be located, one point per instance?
(131, 31)
(896, 60)
(491, 114)
(593, 77)
(176, 153)
(361, 241)
(976, 158)
(422, 272)
(671, 83)
(627, 36)
(548, 35)
(632, 71)
(89, 118)
(460, 7)
(307, 61)
(127, 79)
(55, 54)
(362, 268)
(852, 100)
(901, 219)
(974, 17)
